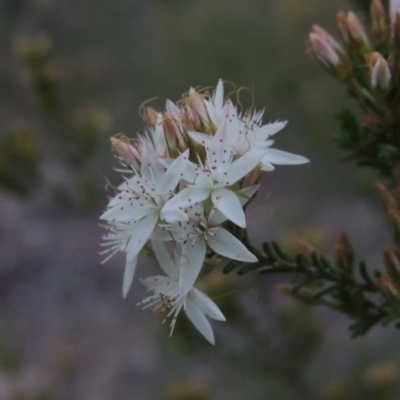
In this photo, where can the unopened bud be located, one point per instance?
(352, 31)
(344, 255)
(173, 110)
(388, 289)
(385, 194)
(195, 102)
(392, 264)
(329, 52)
(176, 141)
(128, 153)
(187, 122)
(380, 75)
(379, 26)
(394, 220)
(150, 115)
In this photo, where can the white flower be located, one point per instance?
(246, 133)
(216, 178)
(175, 291)
(134, 212)
(200, 230)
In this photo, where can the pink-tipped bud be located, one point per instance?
(128, 153)
(388, 288)
(392, 264)
(352, 30)
(378, 20)
(150, 116)
(328, 51)
(173, 110)
(195, 102)
(344, 255)
(187, 122)
(175, 140)
(380, 75)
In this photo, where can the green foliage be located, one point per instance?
(366, 146)
(19, 159)
(69, 139)
(338, 286)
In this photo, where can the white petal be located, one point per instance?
(173, 217)
(172, 109)
(275, 156)
(219, 95)
(266, 166)
(187, 197)
(206, 305)
(130, 268)
(228, 203)
(248, 193)
(161, 235)
(272, 128)
(243, 165)
(142, 231)
(212, 112)
(165, 260)
(199, 321)
(225, 244)
(125, 212)
(150, 169)
(215, 217)
(173, 174)
(191, 262)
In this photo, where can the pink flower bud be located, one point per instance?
(323, 50)
(378, 19)
(150, 115)
(352, 30)
(380, 74)
(128, 153)
(198, 109)
(329, 52)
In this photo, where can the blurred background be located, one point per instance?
(72, 74)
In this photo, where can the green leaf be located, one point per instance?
(250, 267)
(301, 261)
(301, 282)
(327, 289)
(364, 273)
(230, 267)
(269, 269)
(282, 254)
(269, 252)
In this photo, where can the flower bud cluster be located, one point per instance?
(357, 48)
(190, 174)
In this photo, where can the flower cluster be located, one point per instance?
(185, 183)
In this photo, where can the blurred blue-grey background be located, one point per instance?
(72, 74)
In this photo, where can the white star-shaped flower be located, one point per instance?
(247, 134)
(216, 179)
(175, 291)
(134, 212)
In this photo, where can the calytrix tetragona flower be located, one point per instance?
(175, 291)
(185, 180)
